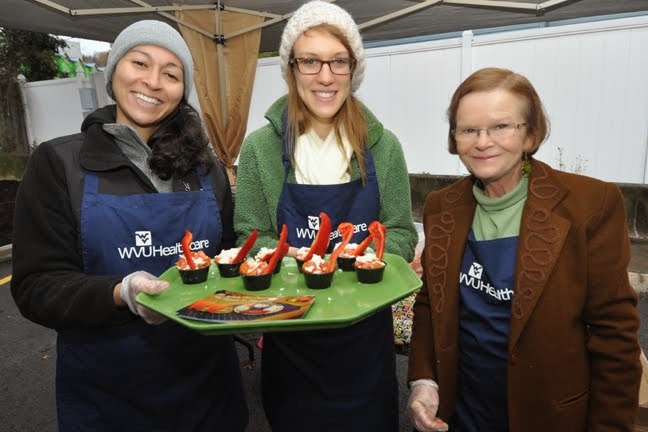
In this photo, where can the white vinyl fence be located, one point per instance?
(592, 77)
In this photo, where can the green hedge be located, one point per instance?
(12, 166)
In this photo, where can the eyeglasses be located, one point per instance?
(312, 66)
(498, 132)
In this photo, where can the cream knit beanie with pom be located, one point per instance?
(315, 13)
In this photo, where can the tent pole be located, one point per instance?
(222, 83)
(398, 14)
(274, 18)
(173, 18)
(495, 4)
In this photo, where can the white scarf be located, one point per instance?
(321, 162)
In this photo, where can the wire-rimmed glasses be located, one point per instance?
(499, 131)
(313, 66)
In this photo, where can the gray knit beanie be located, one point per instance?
(150, 32)
(315, 13)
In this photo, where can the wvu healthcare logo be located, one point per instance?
(313, 222)
(310, 232)
(143, 238)
(476, 270)
(314, 226)
(474, 280)
(144, 247)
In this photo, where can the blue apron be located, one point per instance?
(487, 280)
(135, 376)
(331, 380)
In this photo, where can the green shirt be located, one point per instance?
(499, 217)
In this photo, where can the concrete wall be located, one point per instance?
(421, 185)
(636, 202)
(635, 196)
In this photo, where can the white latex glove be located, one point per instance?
(138, 282)
(422, 406)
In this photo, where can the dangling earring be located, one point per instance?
(526, 165)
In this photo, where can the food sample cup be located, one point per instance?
(194, 276)
(257, 282)
(229, 270)
(318, 280)
(370, 276)
(346, 264)
(300, 263)
(277, 268)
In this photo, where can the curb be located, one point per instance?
(5, 253)
(639, 281)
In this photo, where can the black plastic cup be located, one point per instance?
(346, 264)
(300, 263)
(370, 276)
(277, 268)
(195, 276)
(229, 270)
(318, 280)
(257, 282)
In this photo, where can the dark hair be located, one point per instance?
(180, 144)
(488, 79)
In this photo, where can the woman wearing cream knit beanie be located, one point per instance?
(317, 13)
(323, 151)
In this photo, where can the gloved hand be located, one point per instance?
(422, 406)
(138, 282)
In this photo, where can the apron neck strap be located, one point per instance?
(286, 146)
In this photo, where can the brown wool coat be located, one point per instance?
(573, 346)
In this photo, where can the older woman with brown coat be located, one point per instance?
(526, 321)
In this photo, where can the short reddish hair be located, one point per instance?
(488, 79)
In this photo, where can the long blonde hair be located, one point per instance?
(349, 118)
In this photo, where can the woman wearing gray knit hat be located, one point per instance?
(99, 216)
(323, 151)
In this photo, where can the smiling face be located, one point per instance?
(497, 163)
(148, 86)
(323, 93)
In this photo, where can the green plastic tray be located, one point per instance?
(346, 302)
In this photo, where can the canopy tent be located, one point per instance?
(104, 19)
(225, 36)
(224, 76)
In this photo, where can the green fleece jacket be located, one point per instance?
(260, 179)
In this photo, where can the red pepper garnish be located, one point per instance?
(321, 241)
(363, 246)
(346, 230)
(284, 250)
(186, 241)
(268, 256)
(247, 246)
(367, 241)
(378, 233)
(280, 247)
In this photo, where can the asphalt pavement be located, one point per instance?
(28, 361)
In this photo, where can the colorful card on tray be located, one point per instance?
(228, 306)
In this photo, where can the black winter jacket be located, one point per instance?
(48, 282)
